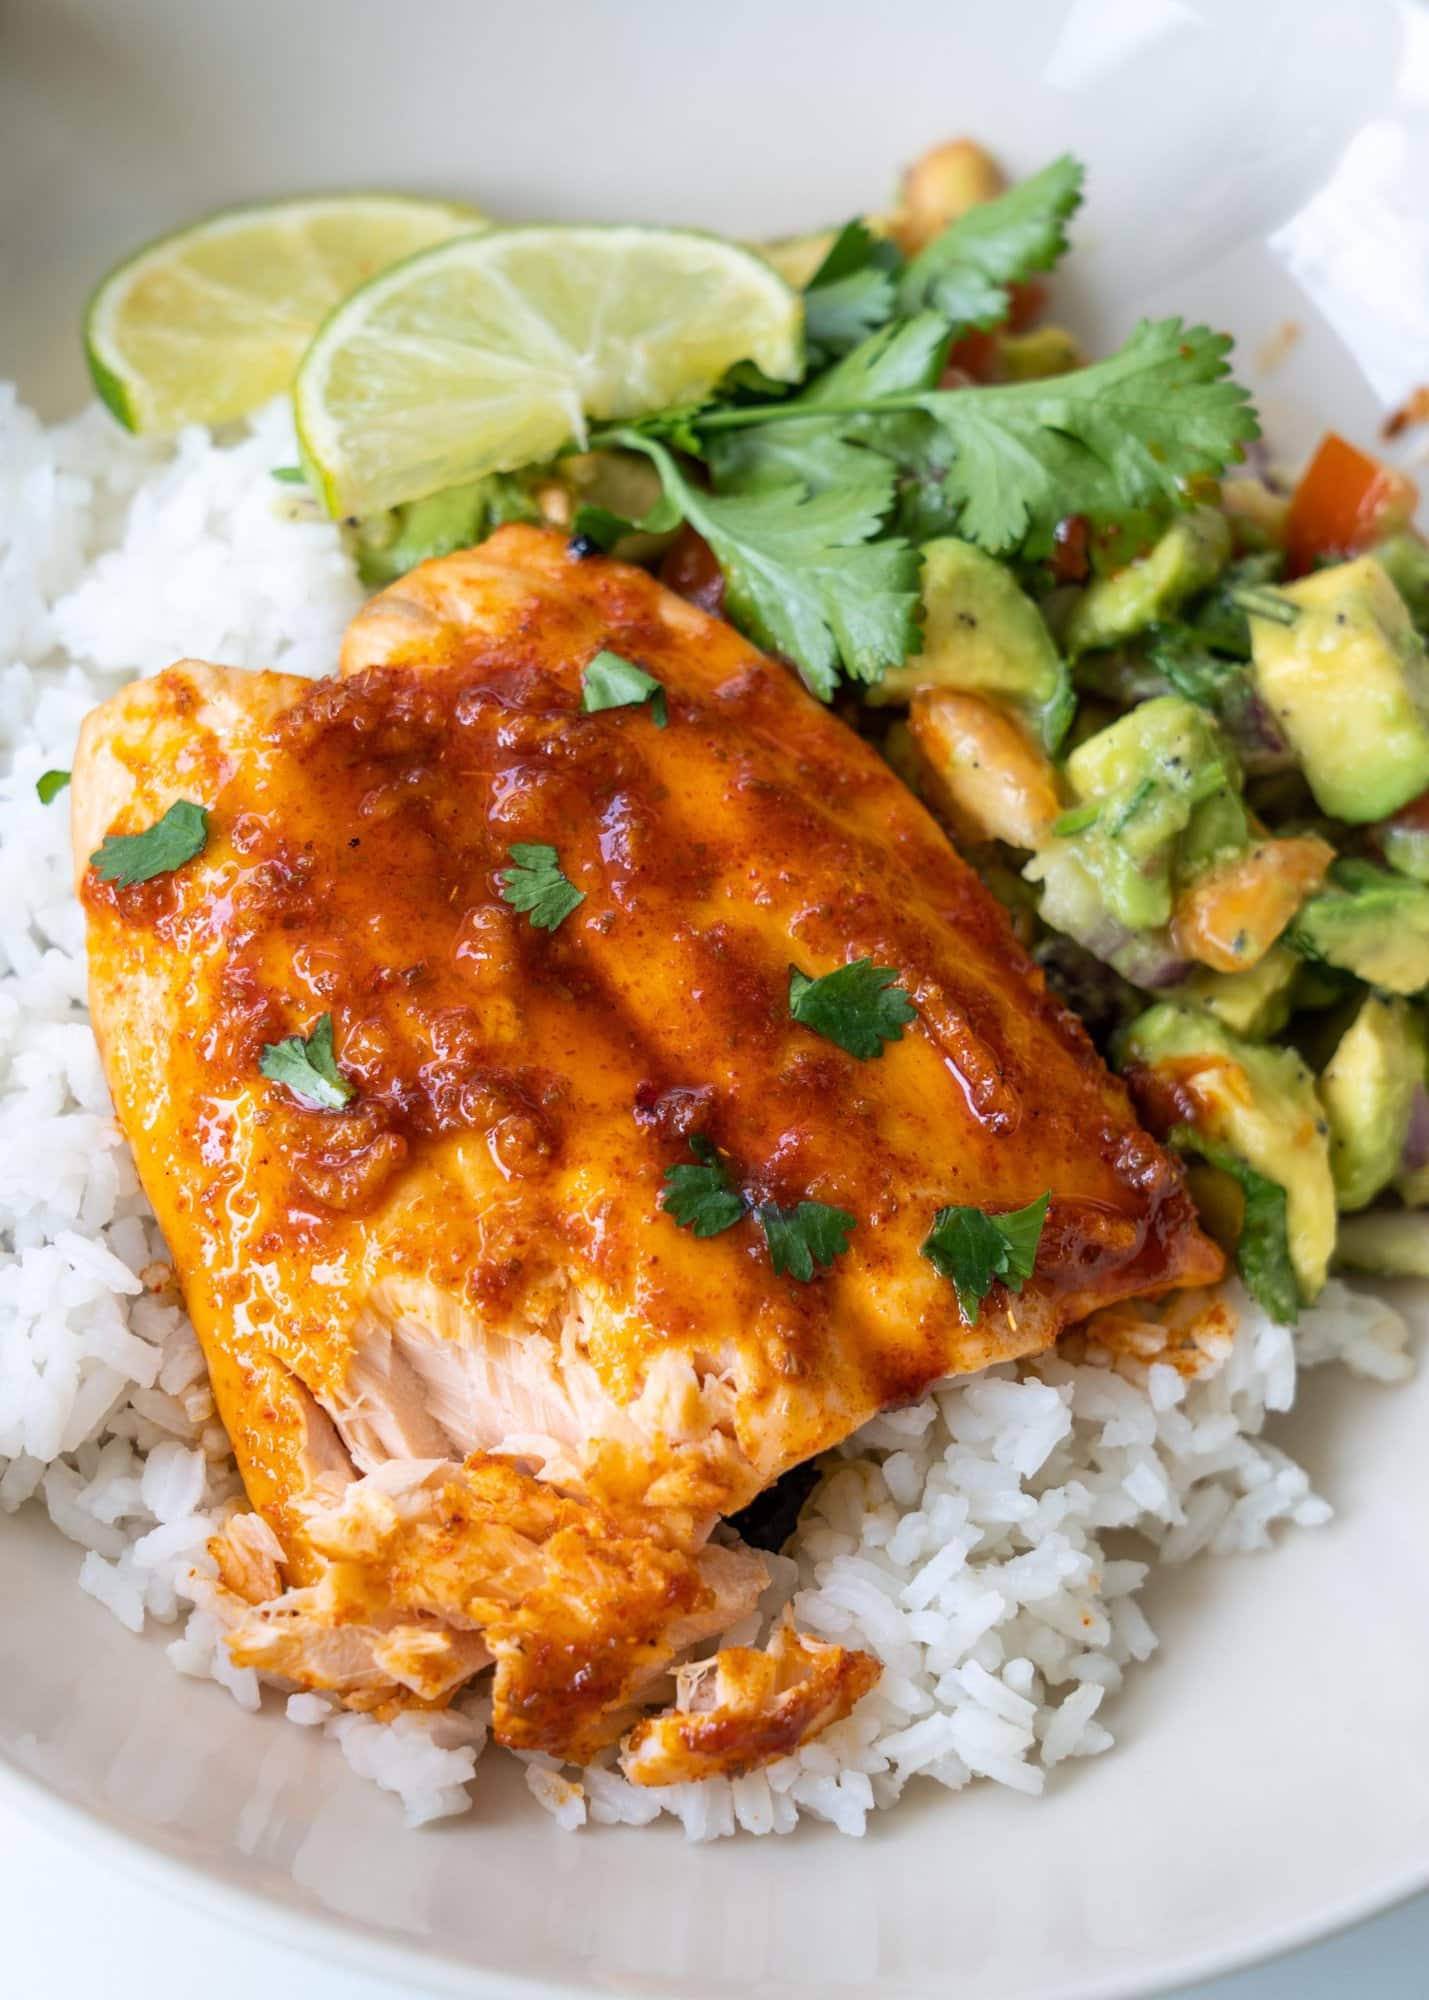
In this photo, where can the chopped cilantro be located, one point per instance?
(49, 785)
(128, 858)
(973, 1248)
(289, 475)
(860, 1006)
(308, 1068)
(799, 1238)
(965, 272)
(1262, 1254)
(535, 884)
(611, 681)
(701, 1198)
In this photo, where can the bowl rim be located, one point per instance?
(359, 1947)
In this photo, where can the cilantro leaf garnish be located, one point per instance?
(1123, 433)
(852, 292)
(901, 360)
(1262, 1254)
(965, 272)
(819, 497)
(611, 681)
(128, 858)
(308, 1067)
(799, 1238)
(49, 785)
(289, 475)
(860, 1006)
(701, 1198)
(827, 451)
(803, 575)
(973, 1248)
(535, 884)
(1002, 465)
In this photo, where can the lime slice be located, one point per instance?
(204, 325)
(489, 353)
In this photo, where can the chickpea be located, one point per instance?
(944, 184)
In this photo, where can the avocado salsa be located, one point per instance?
(1231, 883)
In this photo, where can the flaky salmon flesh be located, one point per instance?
(492, 1405)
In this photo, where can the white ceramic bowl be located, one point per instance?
(1256, 167)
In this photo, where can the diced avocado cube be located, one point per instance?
(1406, 849)
(1258, 1103)
(1191, 554)
(1389, 1245)
(1255, 1003)
(1368, 1089)
(982, 634)
(1138, 784)
(1346, 677)
(385, 546)
(1370, 923)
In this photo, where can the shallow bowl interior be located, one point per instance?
(1260, 169)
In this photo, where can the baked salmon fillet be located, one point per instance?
(490, 1400)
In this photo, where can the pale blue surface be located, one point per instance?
(73, 1926)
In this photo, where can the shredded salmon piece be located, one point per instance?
(761, 1706)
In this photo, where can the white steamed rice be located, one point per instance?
(961, 1540)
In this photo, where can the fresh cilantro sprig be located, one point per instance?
(308, 1067)
(702, 1198)
(964, 273)
(1262, 1254)
(129, 858)
(804, 1237)
(853, 292)
(612, 681)
(818, 497)
(1006, 463)
(49, 785)
(825, 448)
(803, 573)
(1125, 433)
(534, 883)
(811, 568)
(859, 1006)
(973, 1248)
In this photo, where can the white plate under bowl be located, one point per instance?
(1254, 166)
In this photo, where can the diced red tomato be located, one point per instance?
(1028, 304)
(975, 358)
(1345, 501)
(1071, 549)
